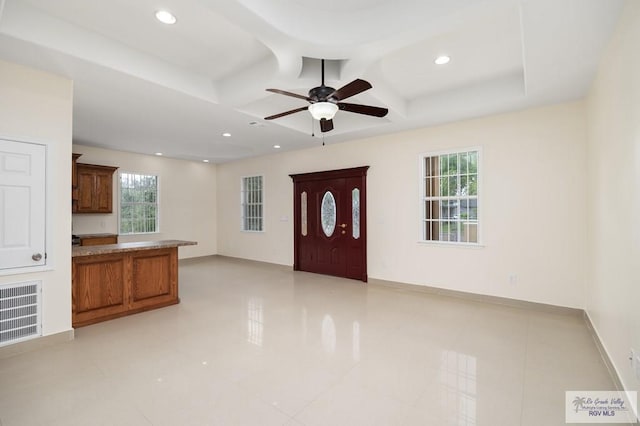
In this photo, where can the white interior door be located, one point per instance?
(22, 204)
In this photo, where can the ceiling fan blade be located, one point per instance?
(294, 95)
(351, 89)
(326, 125)
(282, 114)
(363, 109)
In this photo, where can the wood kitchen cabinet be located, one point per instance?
(99, 288)
(108, 286)
(95, 188)
(74, 182)
(154, 278)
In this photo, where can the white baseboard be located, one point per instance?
(35, 344)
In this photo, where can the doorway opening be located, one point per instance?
(330, 222)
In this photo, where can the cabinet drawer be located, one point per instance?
(97, 241)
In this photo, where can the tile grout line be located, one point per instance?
(524, 367)
(325, 391)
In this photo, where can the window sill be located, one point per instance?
(451, 244)
(138, 233)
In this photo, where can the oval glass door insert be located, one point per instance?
(328, 214)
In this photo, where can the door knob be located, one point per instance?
(36, 257)
(343, 225)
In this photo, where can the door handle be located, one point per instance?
(37, 257)
(343, 225)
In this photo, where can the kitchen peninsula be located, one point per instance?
(114, 280)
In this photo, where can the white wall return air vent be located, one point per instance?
(20, 309)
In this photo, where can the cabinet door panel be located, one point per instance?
(85, 191)
(104, 193)
(99, 287)
(154, 277)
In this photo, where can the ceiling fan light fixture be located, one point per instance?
(326, 110)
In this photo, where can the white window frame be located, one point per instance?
(157, 230)
(422, 198)
(242, 204)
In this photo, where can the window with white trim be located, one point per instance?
(252, 203)
(138, 203)
(450, 197)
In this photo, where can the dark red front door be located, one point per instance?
(330, 223)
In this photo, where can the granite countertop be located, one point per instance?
(106, 234)
(78, 251)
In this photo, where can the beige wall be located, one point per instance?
(37, 107)
(187, 199)
(613, 291)
(533, 203)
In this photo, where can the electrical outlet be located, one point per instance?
(513, 279)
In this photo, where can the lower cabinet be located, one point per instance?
(108, 286)
(154, 278)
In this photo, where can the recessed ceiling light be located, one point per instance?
(441, 60)
(226, 135)
(165, 17)
(159, 154)
(276, 146)
(205, 161)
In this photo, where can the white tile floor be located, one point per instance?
(255, 344)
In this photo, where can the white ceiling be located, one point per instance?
(146, 87)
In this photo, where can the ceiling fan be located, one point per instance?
(326, 101)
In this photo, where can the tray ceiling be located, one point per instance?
(143, 86)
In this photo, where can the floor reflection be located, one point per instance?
(255, 322)
(458, 384)
(328, 334)
(305, 330)
(355, 349)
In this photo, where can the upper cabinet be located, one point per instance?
(94, 188)
(74, 182)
